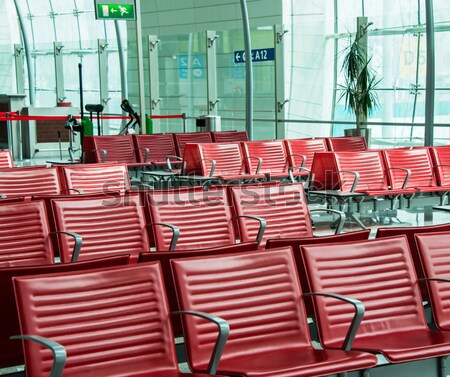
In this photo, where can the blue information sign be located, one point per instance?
(259, 55)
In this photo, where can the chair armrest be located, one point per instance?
(444, 280)
(78, 191)
(169, 164)
(175, 234)
(408, 175)
(213, 165)
(224, 332)
(2, 196)
(78, 243)
(291, 171)
(303, 157)
(104, 153)
(262, 226)
(260, 161)
(357, 318)
(355, 180)
(339, 213)
(147, 153)
(59, 352)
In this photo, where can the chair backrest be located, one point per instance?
(284, 207)
(24, 235)
(6, 160)
(379, 273)
(164, 259)
(304, 147)
(410, 232)
(193, 137)
(441, 162)
(346, 143)
(273, 154)
(228, 157)
(243, 289)
(119, 148)
(229, 136)
(159, 147)
(203, 217)
(95, 178)
(417, 160)
(113, 322)
(328, 169)
(434, 253)
(109, 225)
(11, 353)
(29, 181)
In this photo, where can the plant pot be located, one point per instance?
(366, 132)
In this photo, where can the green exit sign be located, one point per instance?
(115, 10)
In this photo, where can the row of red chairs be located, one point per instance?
(243, 314)
(152, 149)
(67, 179)
(182, 219)
(384, 173)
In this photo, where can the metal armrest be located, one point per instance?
(291, 171)
(2, 196)
(147, 153)
(104, 153)
(169, 164)
(78, 191)
(262, 226)
(299, 155)
(213, 165)
(78, 243)
(224, 332)
(408, 175)
(260, 161)
(59, 352)
(355, 181)
(341, 215)
(175, 234)
(445, 280)
(357, 318)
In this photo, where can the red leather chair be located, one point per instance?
(346, 143)
(94, 178)
(29, 181)
(109, 322)
(155, 148)
(301, 151)
(284, 207)
(164, 259)
(441, 163)
(111, 148)
(218, 160)
(11, 353)
(434, 254)
(229, 136)
(270, 158)
(108, 225)
(24, 234)
(418, 161)
(193, 218)
(182, 139)
(380, 274)
(259, 295)
(6, 160)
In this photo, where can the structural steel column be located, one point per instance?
(140, 61)
(248, 71)
(431, 75)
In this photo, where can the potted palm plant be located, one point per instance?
(360, 82)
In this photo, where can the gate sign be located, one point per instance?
(260, 55)
(115, 10)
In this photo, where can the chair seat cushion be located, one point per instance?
(433, 188)
(306, 362)
(409, 191)
(407, 346)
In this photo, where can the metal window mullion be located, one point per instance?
(431, 75)
(211, 72)
(153, 56)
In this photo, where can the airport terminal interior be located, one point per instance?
(238, 188)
